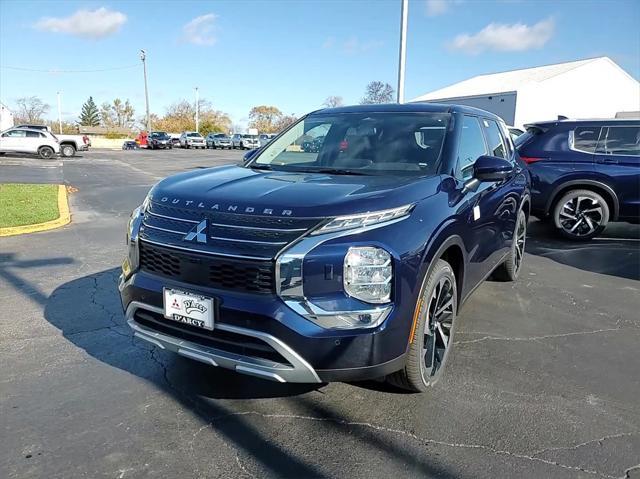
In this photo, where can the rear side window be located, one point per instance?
(620, 140)
(494, 139)
(471, 146)
(585, 138)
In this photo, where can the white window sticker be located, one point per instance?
(476, 213)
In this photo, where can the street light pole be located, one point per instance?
(59, 115)
(197, 112)
(403, 48)
(143, 57)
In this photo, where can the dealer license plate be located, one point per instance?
(188, 308)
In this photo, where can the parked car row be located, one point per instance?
(39, 140)
(193, 139)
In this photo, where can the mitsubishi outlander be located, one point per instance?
(347, 261)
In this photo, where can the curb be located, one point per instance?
(64, 218)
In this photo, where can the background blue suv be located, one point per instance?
(584, 174)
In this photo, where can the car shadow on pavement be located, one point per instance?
(88, 313)
(615, 253)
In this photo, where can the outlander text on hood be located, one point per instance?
(341, 250)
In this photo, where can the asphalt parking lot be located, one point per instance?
(544, 380)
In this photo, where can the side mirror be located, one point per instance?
(249, 155)
(488, 168)
(491, 168)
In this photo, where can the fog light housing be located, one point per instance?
(367, 274)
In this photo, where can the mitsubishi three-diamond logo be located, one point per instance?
(198, 232)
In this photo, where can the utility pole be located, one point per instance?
(197, 112)
(403, 48)
(59, 115)
(143, 57)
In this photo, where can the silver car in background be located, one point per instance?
(245, 142)
(192, 139)
(218, 140)
(265, 138)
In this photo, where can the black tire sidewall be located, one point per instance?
(441, 268)
(46, 148)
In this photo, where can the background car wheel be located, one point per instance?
(510, 268)
(67, 150)
(433, 333)
(581, 214)
(46, 152)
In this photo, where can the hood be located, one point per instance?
(241, 190)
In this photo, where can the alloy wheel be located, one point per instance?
(520, 239)
(581, 215)
(437, 332)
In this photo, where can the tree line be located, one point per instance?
(180, 116)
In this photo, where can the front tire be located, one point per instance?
(46, 152)
(581, 215)
(432, 340)
(510, 268)
(68, 151)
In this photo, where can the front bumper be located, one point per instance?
(298, 351)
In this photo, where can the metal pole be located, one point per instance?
(403, 49)
(59, 115)
(197, 113)
(143, 57)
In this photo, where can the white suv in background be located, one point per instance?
(192, 139)
(28, 140)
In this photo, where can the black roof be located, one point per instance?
(417, 107)
(593, 122)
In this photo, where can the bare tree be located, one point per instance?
(31, 110)
(333, 101)
(377, 92)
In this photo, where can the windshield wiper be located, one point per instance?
(336, 171)
(260, 167)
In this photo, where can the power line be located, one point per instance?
(98, 70)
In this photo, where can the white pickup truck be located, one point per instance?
(69, 144)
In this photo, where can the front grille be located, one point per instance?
(206, 270)
(232, 234)
(217, 339)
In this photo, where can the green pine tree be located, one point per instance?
(90, 115)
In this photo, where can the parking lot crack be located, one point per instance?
(489, 449)
(627, 472)
(536, 338)
(599, 441)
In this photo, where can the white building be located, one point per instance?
(6, 118)
(592, 88)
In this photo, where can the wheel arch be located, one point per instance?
(451, 250)
(599, 187)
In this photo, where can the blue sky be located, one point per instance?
(291, 54)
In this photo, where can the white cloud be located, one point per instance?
(506, 38)
(353, 46)
(98, 23)
(438, 7)
(200, 30)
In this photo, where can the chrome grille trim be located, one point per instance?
(258, 228)
(247, 241)
(204, 251)
(165, 229)
(170, 217)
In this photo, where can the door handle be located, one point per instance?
(608, 161)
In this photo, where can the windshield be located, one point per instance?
(253, 137)
(194, 135)
(360, 143)
(159, 134)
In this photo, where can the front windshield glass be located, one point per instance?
(360, 143)
(192, 135)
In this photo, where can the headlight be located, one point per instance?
(367, 274)
(363, 219)
(131, 262)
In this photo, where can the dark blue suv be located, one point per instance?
(343, 262)
(584, 174)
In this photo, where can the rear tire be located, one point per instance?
(68, 151)
(432, 340)
(510, 268)
(581, 215)
(46, 152)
